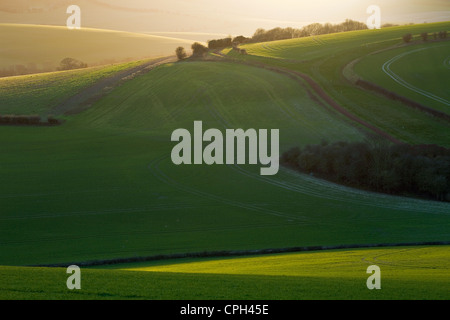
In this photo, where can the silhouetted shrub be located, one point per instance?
(199, 50)
(388, 25)
(70, 64)
(181, 53)
(424, 36)
(407, 37)
(52, 120)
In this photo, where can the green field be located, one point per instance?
(406, 273)
(324, 59)
(40, 93)
(103, 186)
(403, 70)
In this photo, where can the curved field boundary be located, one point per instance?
(88, 96)
(447, 62)
(237, 253)
(387, 69)
(355, 79)
(322, 94)
(394, 96)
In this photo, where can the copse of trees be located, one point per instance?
(314, 29)
(70, 64)
(220, 43)
(198, 50)
(240, 40)
(262, 35)
(227, 42)
(421, 171)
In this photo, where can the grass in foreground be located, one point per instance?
(406, 273)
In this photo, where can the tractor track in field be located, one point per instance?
(82, 100)
(87, 96)
(349, 74)
(310, 185)
(154, 167)
(319, 92)
(387, 70)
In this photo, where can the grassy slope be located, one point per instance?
(39, 93)
(406, 273)
(50, 44)
(103, 185)
(324, 57)
(413, 68)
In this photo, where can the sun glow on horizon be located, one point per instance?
(206, 16)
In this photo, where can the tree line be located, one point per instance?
(441, 35)
(262, 35)
(313, 29)
(400, 169)
(31, 68)
(28, 120)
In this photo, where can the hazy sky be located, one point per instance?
(220, 17)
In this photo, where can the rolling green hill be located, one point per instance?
(403, 70)
(103, 186)
(41, 93)
(325, 57)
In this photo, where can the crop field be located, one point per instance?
(405, 69)
(331, 46)
(40, 93)
(48, 45)
(407, 273)
(325, 57)
(103, 186)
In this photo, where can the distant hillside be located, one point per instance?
(43, 47)
(32, 6)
